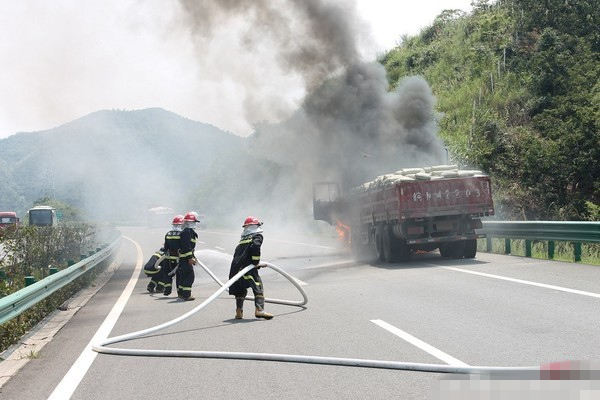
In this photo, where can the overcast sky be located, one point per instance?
(63, 59)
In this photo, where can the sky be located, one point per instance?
(63, 59)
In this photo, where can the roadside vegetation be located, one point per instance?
(32, 253)
(518, 90)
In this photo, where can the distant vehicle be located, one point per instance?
(202, 221)
(8, 218)
(159, 217)
(42, 216)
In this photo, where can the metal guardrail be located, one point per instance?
(551, 231)
(16, 303)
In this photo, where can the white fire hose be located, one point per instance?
(348, 362)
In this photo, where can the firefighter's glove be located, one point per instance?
(261, 265)
(191, 261)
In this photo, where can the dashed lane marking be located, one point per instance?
(437, 353)
(524, 282)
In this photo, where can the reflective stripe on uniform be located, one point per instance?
(251, 278)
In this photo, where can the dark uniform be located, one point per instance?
(152, 272)
(185, 272)
(248, 252)
(171, 248)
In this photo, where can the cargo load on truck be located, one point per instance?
(412, 209)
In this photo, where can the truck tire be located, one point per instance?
(445, 250)
(394, 249)
(389, 254)
(457, 249)
(470, 248)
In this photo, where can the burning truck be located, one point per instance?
(410, 210)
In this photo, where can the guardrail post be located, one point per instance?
(577, 246)
(53, 270)
(551, 250)
(29, 280)
(488, 244)
(527, 248)
(507, 246)
(82, 257)
(70, 262)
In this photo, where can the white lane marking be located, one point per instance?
(200, 241)
(448, 359)
(543, 285)
(219, 248)
(71, 380)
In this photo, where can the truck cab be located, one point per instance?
(8, 220)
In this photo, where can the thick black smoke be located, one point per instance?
(349, 127)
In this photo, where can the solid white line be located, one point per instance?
(71, 380)
(419, 343)
(542, 285)
(219, 248)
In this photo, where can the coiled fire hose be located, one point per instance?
(348, 362)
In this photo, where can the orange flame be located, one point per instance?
(343, 231)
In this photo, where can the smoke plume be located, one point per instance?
(347, 125)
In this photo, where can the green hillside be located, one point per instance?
(517, 85)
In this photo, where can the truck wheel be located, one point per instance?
(470, 248)
(388, 246)
(445, 250)
(403, 251)
(458, 249)
(394, 249)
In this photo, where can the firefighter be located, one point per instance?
(159, 278)
(152, 272)
(248, 252)
(171, 250)
(187, 244)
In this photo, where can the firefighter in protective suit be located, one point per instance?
(171, 249)
(160, 281)
(248, 252)
(187, 244)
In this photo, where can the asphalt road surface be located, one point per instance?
(492, 311)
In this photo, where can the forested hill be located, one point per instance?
(112, 164)
(518, 91)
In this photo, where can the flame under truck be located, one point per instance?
(414, 209)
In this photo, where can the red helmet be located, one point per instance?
(251, 221)
(192, 216)
(178, 220)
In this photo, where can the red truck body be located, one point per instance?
(396, 215)
(422, 199)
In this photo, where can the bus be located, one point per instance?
(42, 216)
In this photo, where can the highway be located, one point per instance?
(492, 311)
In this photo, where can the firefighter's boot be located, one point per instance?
(151, 286)
(239, 307)
(259, 302)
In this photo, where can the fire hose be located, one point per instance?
(348, 362)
